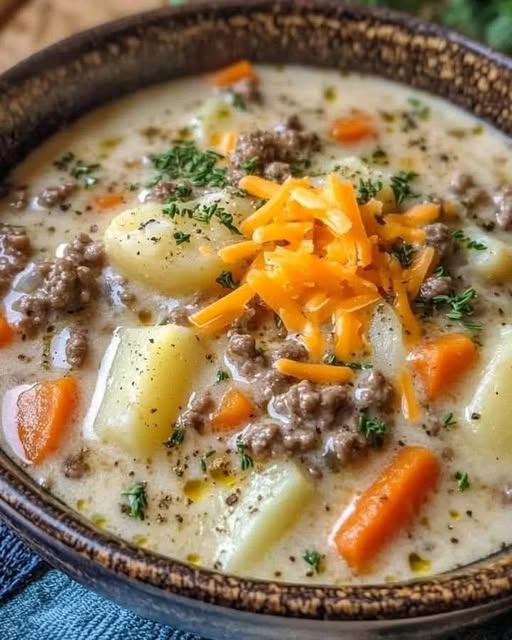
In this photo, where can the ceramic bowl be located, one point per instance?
(62, 82)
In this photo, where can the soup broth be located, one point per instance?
(341, 415)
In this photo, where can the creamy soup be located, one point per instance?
(262, 322)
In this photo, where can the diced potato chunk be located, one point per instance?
(144, 380)
(272, 502)
(493, 264)
(163, 252)
(386, 338)
(488, 414)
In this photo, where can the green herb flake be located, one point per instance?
(222, 375)
(249, 166)
(181, 237)
(137, 501)
(203, 461)
(419, 108)
(236, 100)
(313, 559)
(330, 358)
(461, 237)
(368, 189)
(448, 421)
(439, 271)
(226, 280)
(405, 253)
(401, 187)
(373, 429)
(184, 161)
(380, 157)
(462, 478)
(176, 438)
(460, 307)
(246, 462)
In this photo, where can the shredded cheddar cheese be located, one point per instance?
(321, 262)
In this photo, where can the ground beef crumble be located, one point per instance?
(75, 466)
(76, 347)
(68, 284)
(52, 196)
(15, 250)
(273, 153)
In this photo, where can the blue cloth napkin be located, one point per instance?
(41, 603)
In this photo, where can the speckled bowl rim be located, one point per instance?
(35, 514)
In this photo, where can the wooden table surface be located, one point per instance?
(29, 25)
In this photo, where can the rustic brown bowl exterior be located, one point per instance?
(55, 86)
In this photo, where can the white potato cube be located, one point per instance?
(488, 415)
(163, 252)
(274, 499)
(494, 263)
(145, 378)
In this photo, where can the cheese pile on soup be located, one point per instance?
(262, 322)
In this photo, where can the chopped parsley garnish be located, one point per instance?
(78, 168)
(380, 157)
(313, 559)
(249, 166)
(202, 213)
(137, 500)
(181, 237)
(405, 253)
(330, 358)
(176, 438)
(184, 161)
(419, 108)
(373, 429)
(401, 187)
(246, 462)
(439, 271)
(226, 280)
(470, 244)
(236, 99)
(368, 189)
(182, 191)
(460, 307)
(203, 461)
(222, 375)
(462, 478)
(448, 421)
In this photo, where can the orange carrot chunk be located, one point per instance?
(241, 70)
(42, 414)
(353, 128)
(109, 200)
(234, 410)
(443, 362)
(387, 506)
(6, 331)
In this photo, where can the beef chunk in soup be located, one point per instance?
(372, 390)
(15, 250)
(439, 236)
(52, 196)
(75, 466)
(273, 152)
(77, 346)
(18, 198)
(503, 201)
(68, 284)
(435, 286)
(344, 446)
(470, 194)
(161, 192)
(197, 413)
(242, 352)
